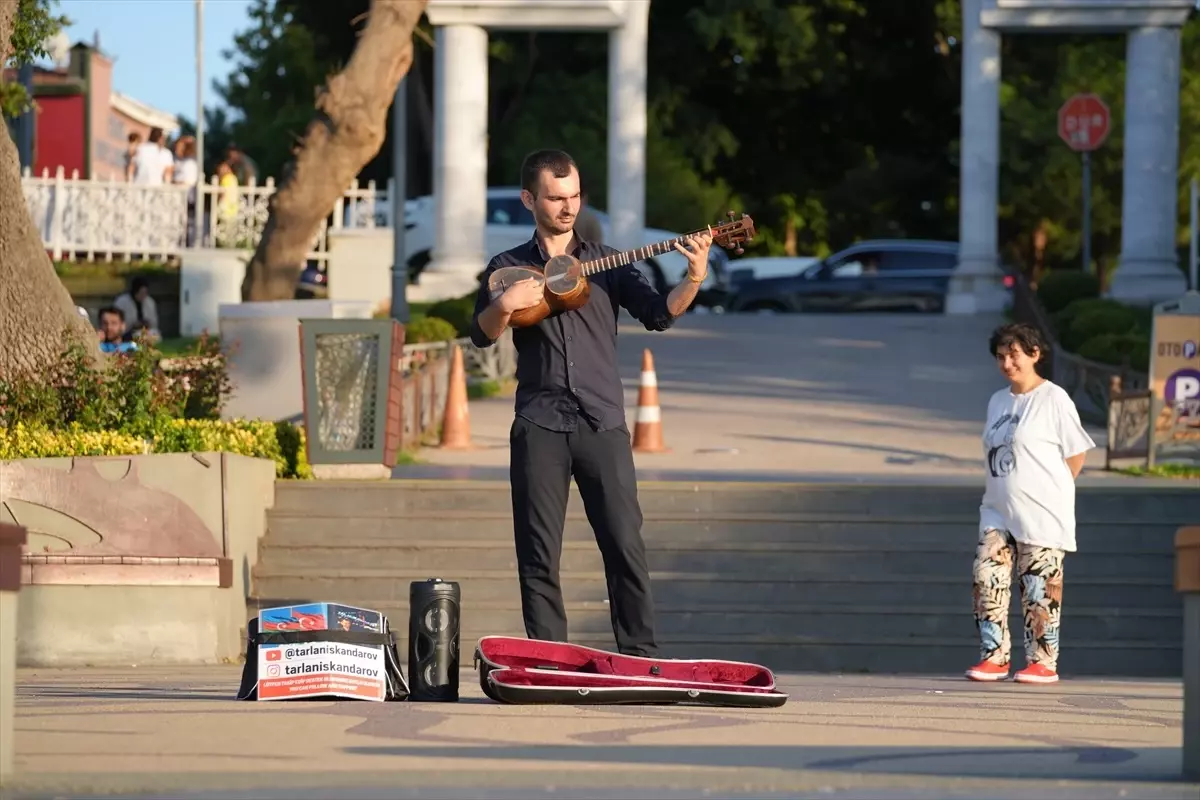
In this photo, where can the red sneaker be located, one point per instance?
(988, 671)
(1036, 673)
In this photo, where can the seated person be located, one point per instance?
(112, 331)
(140, 311)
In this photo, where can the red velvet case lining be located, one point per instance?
(539, 663)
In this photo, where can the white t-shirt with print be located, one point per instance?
(1029, 490)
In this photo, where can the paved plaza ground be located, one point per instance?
(163, 732)
(799, 396)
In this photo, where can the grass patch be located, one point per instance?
(180, 346)
(481, 390)
(1164, 471)
(112, 269)
(406, 458)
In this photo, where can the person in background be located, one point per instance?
(227, 206)
(1034, 447)
(152, 162)
(135, 139)
(138, 310)
(587, 224)
(112, 331)
(187, 173)
(242, 165)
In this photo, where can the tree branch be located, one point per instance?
(346, 132)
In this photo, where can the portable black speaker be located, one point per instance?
(433, 633)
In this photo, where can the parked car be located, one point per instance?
(716, 291)
(873, 275)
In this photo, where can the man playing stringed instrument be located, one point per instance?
(570, 415)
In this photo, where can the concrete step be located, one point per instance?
(859, 529)
(399, 498)
(704, 589)
(826, 577)
(880, 654)
(817, 622)
(767, 562)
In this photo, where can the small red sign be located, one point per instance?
(1083, 122)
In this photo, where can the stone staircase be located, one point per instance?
(820, 577)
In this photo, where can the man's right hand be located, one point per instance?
(521, 295)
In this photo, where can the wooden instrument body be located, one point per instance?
(565, 288)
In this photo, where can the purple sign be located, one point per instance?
(1182, 390)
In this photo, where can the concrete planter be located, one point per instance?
(12, 538)
(135, 559)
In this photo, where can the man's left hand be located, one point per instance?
(695, 249)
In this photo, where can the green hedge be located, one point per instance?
(429, 329)
(1093, 327)
(458, 311)
(129, 404)
(1060, 288)
(281, 442)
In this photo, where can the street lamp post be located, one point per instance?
(200, 89)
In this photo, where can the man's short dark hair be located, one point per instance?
(156, 135)
(557, 162)
(111, 310)
(1024, 336)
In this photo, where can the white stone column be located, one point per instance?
(460, 109)
(977, 284)
(627, 126)
(1148, 271)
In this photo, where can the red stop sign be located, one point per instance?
(1083, 122)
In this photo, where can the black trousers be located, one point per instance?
(543, 463)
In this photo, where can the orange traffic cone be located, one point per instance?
(456, 423)
(647, 433)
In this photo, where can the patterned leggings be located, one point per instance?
(1041, 575)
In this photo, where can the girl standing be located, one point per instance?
(1034, 447)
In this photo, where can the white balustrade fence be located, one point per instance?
(107, 220)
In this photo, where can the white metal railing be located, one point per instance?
(106, 220)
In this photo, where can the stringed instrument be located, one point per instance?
(565, 278)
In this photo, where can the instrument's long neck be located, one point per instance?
(626, 257)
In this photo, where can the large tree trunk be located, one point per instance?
(347, 132)
(35, 308)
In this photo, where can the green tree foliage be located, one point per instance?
(34, 25)
(279, 67)
(827, 120)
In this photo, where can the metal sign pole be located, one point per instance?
(399, 310)
(1087, 212)
(1194, 262)
(199, 93)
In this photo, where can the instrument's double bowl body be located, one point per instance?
(564, 288)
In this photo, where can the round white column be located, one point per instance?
(460, 108)
(977, 284)
(1148, 271)
(627, 126)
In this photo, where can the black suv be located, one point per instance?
(875, 275)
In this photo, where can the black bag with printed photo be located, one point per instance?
(396, 685)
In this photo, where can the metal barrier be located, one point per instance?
(1128, 423)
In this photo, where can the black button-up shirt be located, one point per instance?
(567, 363)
